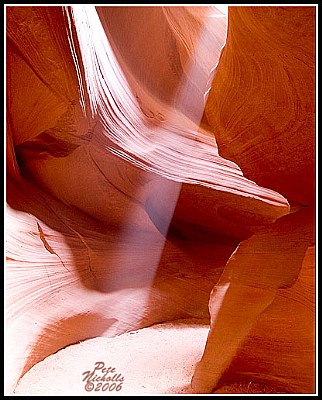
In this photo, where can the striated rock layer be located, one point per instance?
(262, 103)
(122, 211)
(262, 110)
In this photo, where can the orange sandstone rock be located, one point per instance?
(122, 211)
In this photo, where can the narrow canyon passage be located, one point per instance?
(160, 198)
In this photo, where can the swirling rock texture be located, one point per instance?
(160, 168)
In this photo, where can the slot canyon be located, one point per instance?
(160, 195)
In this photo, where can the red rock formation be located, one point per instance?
(262, 103)
(122, 211)
(261, 108)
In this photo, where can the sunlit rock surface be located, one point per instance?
(262, 103)
(159, 171)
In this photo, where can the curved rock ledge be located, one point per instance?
(162, 171)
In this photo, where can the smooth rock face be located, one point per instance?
(262, 103)
(160, 170)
